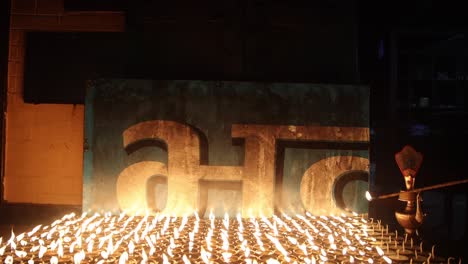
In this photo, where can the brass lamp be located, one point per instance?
(409, 162)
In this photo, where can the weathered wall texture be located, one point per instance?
(183, 131)
(44, 142)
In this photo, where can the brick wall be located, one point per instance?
(44, 142)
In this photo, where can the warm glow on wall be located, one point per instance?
(44, 153)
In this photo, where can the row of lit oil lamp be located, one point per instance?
(404, 248)
(166, 239)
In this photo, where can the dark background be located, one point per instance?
(406, 51)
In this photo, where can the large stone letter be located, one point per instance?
(183, 149)
(184, 170)
(258, 182)
(259, 166)
(131, 185)
(317, 182)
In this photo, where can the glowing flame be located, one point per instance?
(144, 257)
(131, 247)
(379, 250)
(323, 258)
(292, 240)
(78, 257)
(387, 259)
(278, 246)
(368, 196)
(54, 260)
(42, 251)
(20, 253)
(186, 260)
(9, 260)
(247, 252)
(226, 221)
(90, 246)
(317, 238)
(303, 247)
(60, 249)
(226, 256)
(272, 261)
(205, 255)
(165, 259)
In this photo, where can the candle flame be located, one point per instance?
(2, 250)
(379, 250)
(104, 254)
(9, 260)
(123, 258)
(387, 259)
(292, 240)
(34, 230)
(303, 247)
(60, 249)
(131, 247)
(54, 260)
(186, 260)
(211, 216)
(169, 251)
(20, 253)
(78, 257)
(165, 259)
(226, 256)
(278, 246)
(226, 221)
(90, 246)
(196, 215)
(323, 258)
(42, 251)
(205, 255)
(317, 238)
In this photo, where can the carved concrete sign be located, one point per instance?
(236, 147)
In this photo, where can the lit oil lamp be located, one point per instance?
(167, 239)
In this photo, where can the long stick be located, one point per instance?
(437, 186)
